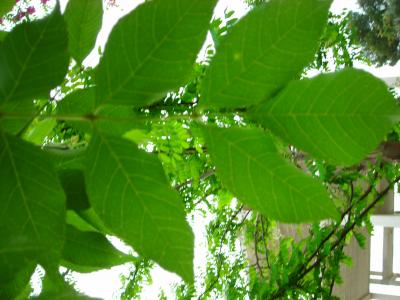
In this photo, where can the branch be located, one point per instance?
(256, 247)
(265, 243)
(205, 175)
(297, 276)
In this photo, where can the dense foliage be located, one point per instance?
(377, 29)
(149, 136)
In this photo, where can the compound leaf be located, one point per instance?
(251, 168)
(266, 49)
(339, 117)
(128, 190)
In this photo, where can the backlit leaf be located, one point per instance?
(152, 50)
(31, 198)
(83, 19)
(127, 188)
(266, 49)
(251, 168)
(33, 59)
(89, 251)
(339, 117)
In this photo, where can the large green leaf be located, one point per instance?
(127, 188)
(266, 49)
(251, 168)
(340, 117)
(33, 59)
(65, 158)
(89, 251)
(6, 6)
(32, 207)
(73, 183)
(151, 51)
(83, 19)
(19, 287)
(25, 112)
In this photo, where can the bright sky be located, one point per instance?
(105, 284)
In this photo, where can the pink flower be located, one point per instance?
(31, 10)
(44, 1)
(1, 21)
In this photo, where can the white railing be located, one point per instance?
(385, 285)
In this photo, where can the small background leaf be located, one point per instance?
(89, 251)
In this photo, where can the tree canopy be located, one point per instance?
(377, 29)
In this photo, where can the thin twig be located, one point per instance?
(256, 247)
(265, 243)
(231, 219)
(296, 276)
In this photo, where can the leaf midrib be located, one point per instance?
(266, 52)
(262, 166)
(132, 185)
(149, 55)
(22, 193)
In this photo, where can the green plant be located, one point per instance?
(58, 202)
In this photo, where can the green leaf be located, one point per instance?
(251, 168)
(339, 117)
(67, 158)
(127, 188)
(33, 59)
(19, 286)
(55, 288)
(152, 50)
(78, 222)
(6, 6)
(83, 19)
(3, 35)
(89, 251)
(39, 131)
(110, 119)
(14, 125)
(117, 119)
(78, 104)
(73, 183)
(266, 49)
(31, 199)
